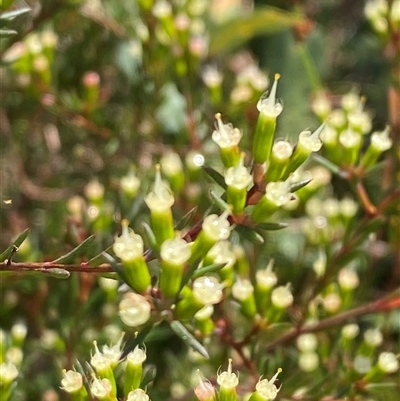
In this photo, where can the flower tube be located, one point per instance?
(237, 179)
(380, 142)
(129, 248)
(228, 382)
(266, 389)
(134, 369)
(269, 110)
(160, 201)
(227, 138)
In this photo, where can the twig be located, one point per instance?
(381, 305)
(41, 266)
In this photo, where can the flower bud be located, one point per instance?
(307, 143)
(214, 228)
(350, 331)
(72, 383)
(160, 201)
(321, 106)
(350, 101)
(243, 292)
(380, 142)
(102, 365)
(8, 373)
(388, 362)
(281, 300)
(237, 179)
(134, 369)
(221, 253)
(172, 168)
(362, 364)
(266, 279)
(137, 395)
(208, 290)
(94, 191)
(351, 142)
(348, 279)
(134, 309)
(266, 389)
(18, 334)
(205, 391)
(213, 80)
(227, 384)
(280, 155)
(307, 342)
(130, 184)
(204, 322)
(102, 389)
(269, 110)
(129, 248)
(174, 255)
(276, 195)
(227, 138)
(308, 361)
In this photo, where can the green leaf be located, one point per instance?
(332, 167)
(115, 266)
(150, 236)
(10, 15)
(249, 234)
(17, 243)
(186, 219)
(149, 376)
(138, 339)
(298, 185)
(216, 176)
(79, 250)
(219, 201)
(272, 226)
(189, 273)
(263, 21)
(202, 271)
(6, 33)
(100, 258)
(182, 332)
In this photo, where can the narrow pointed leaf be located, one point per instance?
(99, 259)
(298, 185)
(216, 176)
(139, 339)
(272, 226)
(332, 167)
(202, 271)
(150, 236)
(219, 201)
(17, 243)
(249, 234)
(6, 33)
(186, 219)
(78, 251)
(149, 376)
(182, 332)
(10, 15)
(115, 266)
(189, 273)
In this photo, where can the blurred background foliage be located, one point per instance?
(97, 88)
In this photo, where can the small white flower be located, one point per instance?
(267, 389)
(388, 362)
(128, 246)
(134, 309)
(72, 381)
(227, 379)
(268, 105)
(225, 135)
(282, 297)
(208, 290)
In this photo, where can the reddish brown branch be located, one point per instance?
(43, 266)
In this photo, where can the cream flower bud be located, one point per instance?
(242, 289)
(381, 141)
(321, 105)
(348, 207)
(130, 183)
(137, 356)
(227, 379)
(225, 135)
(19, 331)
(8, 373)
(282, 297)
(350, 101)
(108, 284)
(137, 395)
(221, 253)
(332, 302)
(162, 9)
(267, 389)
(204, 391)
(128, 246)
(268, 105)
(308, 361)
(319, 265)
(134, 309)
(211, 76)
(217, 227)
(337, 118)
(388, 362)
(266, 277)
(14, 355)
(329, 135)
(238, 176)
(350, 331)
(307, 342)
(373, 337)
(100, 388)
(362, 364)
(350, 139)
(348, 279)
(72, 381)
(282, 150)
(171, 164)
(175, 251)
(278, 192)
(94, 190)
(208, 290)
(161, 198)
(204, 312)
(311, 141)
